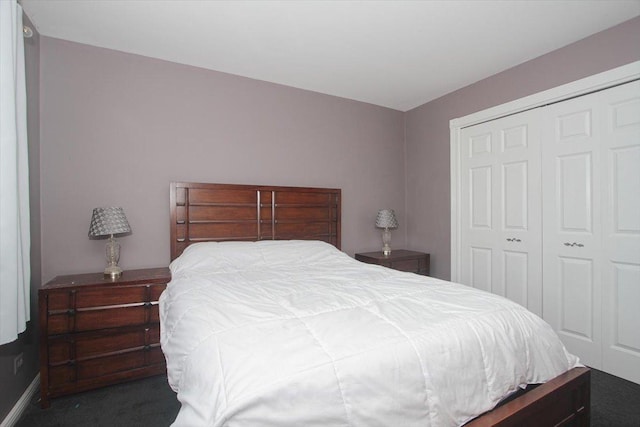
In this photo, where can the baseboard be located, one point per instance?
(22, 403)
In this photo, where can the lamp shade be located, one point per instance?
(386, 219)
(108, 221)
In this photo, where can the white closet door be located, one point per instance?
(572, 250)
(500, 208)
(591, 232)
(547, 213)
(621, 230)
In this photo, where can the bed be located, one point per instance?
(267, 323)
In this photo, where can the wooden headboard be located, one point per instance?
(222, 212)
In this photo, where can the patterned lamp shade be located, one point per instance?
(386, 219)
(108, 221)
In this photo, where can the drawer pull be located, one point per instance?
(147, 304)
(580, 245)
(513, 239)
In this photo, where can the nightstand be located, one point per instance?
(399, 259)
(95, 331)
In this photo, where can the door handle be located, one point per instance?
(573, 244)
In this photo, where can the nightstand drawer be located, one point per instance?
(412, 265)
(62, 376)
(68, 348)
(111, 296)
(106, 296)
(94, 319)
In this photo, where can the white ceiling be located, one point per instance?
(397, 54)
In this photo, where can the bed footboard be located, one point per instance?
(563, 401)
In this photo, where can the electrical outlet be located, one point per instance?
(17, 363)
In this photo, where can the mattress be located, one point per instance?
(297, 333)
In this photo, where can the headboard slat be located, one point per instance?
(203, 212)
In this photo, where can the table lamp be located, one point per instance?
(110, 221)
(386, 220)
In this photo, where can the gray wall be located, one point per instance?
(117, 128)
(12, 386)
(427, 127)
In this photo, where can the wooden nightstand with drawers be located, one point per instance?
(95, 331)
(399, 259)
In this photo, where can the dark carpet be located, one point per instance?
(150, 402)
(614, 402)
(146, 402)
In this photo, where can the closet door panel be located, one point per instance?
(514, 138)
(516, 278)
(576, 280)
(621, 230)
(478, 213)
(514, 194)
(574, 209)
(571, 231)
(626, 284)
(480, 197)
(481, 268)
(624, 164)
(574, 124)
(500, 216)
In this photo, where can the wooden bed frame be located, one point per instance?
(224, 212)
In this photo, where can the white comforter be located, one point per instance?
(299, 334)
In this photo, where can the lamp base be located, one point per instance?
(386, 242)
(113, 256)
(113, 272)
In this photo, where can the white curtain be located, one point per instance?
(14, 177)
